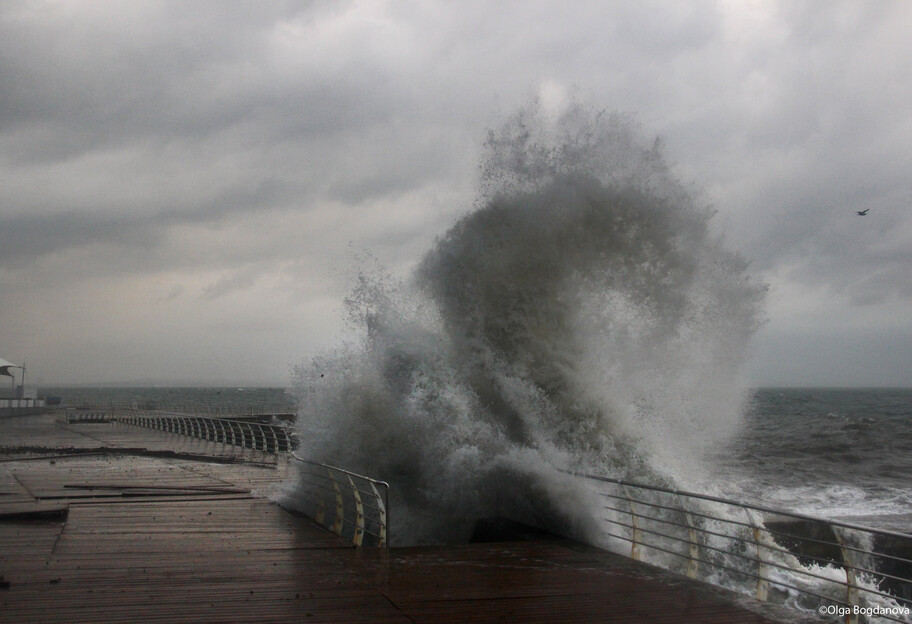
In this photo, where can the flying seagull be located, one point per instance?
(862, 213)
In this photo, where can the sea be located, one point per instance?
(837, 453)
(213, 400)
(834, 453)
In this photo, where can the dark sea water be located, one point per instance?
(835, 453)
(204, 400)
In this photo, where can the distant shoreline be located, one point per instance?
(241, 386)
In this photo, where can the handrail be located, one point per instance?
(358, 505)
(87, 415)
(761, 508)
(755, 542)
(271, 440)
(346, 503)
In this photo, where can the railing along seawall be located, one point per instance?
(346, 503)
(87, 415)
(264, 437)
(829, 567)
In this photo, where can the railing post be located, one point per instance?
(254, 428)
(693, 560)
(275, 440)
(381, 505)
(262, 431)
(359, 513)
(762, 572)
(340, 509)
(635, 533)
(263, 444)
(851, 579)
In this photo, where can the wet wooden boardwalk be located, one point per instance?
(136, 538)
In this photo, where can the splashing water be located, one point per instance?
(581, 317)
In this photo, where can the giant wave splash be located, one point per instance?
(581, 317)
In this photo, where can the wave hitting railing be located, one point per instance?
(267, 438)
(828, 567)
(346, 503)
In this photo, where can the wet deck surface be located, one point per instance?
(132, 537)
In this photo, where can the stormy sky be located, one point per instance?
(188, 188)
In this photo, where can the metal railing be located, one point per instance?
(830, 567)
(346, 503)
(267, 438)
(72, 415)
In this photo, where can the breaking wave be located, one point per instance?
(581, 317)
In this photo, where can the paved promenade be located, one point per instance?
(111, 523)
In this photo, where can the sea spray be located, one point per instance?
(580, 317)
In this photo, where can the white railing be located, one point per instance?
(268, 438)
(21, 406)
(833, 568)
(94, 415)
(346, 503)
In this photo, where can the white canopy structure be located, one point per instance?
(5, 367)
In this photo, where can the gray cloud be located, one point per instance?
(192, 156)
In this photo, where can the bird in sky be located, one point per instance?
(862, 213)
